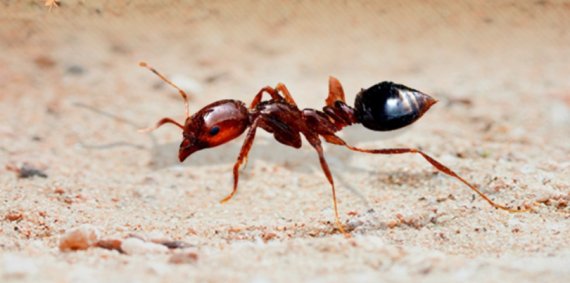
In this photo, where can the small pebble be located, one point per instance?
(26, 171)
(14, 216)
(185, 257)
(112, 244)
(156, 237)
(75, 70)
(268, 236)
(174, 244)
(80, 238)
(44, 62)
(137, 246)
(354, 223)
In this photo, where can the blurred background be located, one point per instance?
(495, 61)
(499, 68)
(88, 50)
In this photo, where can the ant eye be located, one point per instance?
(214, 130)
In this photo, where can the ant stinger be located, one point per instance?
(383, 107)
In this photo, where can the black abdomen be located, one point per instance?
(388, 106)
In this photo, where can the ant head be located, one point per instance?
(388, 106)
(213, 125)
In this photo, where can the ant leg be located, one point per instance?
(182, 93)
(271, 91)
(160, 123)
(283, 89)
(317, 145)
(274, 93)
(442, 168)
(242, 157)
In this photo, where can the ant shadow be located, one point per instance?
(265, 148)
(298, 161)
(164, 155)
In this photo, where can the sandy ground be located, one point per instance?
(72, 97)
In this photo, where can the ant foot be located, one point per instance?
(227, 198)
(340, 228)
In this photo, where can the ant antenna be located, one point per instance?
(182, 93)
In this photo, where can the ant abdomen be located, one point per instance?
(388, 106)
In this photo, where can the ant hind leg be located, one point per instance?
(274, 93)
(283, 89)
(271, 91)
(439, 166)
(317, 145)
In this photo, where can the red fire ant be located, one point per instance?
(383, 107)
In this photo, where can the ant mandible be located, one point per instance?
(383, 107)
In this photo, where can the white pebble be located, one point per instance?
(527, 169)
(559, 113)
(80, 238)
(17, 266)
(156, 237)
(133, 246)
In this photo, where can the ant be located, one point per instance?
(385, 106)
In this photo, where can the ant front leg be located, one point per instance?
(442, 168)
(242, 157)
